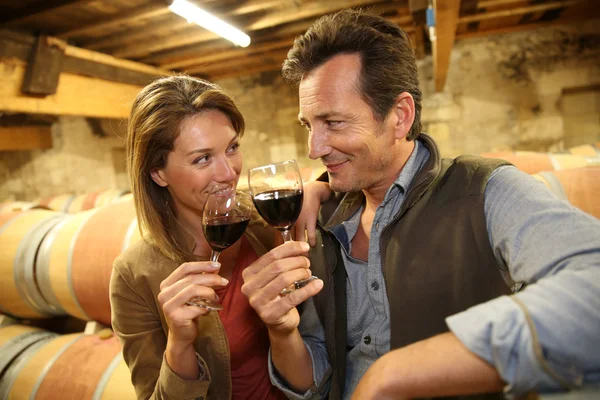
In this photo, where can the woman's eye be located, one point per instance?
(233, 148)
(202, 159)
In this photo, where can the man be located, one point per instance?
(419, 260)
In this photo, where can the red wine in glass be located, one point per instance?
(222, 232)
(225, 218)
(280, 208)
(277, 195)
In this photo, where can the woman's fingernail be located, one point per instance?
(224, 281)
(215, 264)
(305, 246)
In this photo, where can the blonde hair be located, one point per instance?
(154, 125)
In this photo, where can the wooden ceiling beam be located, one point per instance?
(18, 46)
(419, 42)
(151, 11)
(18, 15)
(237, 53)
(140, 34)
(89, 55)
(75, 95)
(246, 71)
(518, 11)
(135, 35)
(496, 3)
(446, 21)
(276, 56)
(418, 10)
(514, 28)
(25, 137)
(197, 35)
(306, 10)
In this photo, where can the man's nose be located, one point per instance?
(317, 145)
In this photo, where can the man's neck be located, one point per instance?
(374, 195)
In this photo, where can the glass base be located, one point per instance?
(297, 285)
(204, 303)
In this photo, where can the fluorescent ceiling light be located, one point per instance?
(195, 14)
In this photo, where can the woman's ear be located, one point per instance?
(157, 176)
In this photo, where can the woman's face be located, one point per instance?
(205, 154)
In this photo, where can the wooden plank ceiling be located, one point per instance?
(145, 31)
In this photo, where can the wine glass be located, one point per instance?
(277, 194)
(224, 219)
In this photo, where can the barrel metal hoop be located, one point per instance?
(43, 267)
(24, 265)
(106, 375)
(49, 365)
(8, 379)
(13, 347)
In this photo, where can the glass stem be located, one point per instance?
(287, 235)
(214, 255)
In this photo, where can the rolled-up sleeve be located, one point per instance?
(313, 335)
(547, 336)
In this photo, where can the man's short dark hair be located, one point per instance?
(389, 67)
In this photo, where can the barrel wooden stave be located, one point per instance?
(21, 235)
(14, 339)
(580, 186)
(56, 263)
(102, 238)
(71, 367)
(532, 163)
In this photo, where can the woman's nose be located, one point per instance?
(225, 171)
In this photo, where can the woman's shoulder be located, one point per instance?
(140, 259)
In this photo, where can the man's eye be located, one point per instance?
(333, 123)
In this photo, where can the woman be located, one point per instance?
(183, 139)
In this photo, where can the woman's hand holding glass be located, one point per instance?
(225, 218)
(192, 279)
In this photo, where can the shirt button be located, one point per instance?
(377, 226)
(375, 286)
(367, 339)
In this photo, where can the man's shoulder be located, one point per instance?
(467, 175)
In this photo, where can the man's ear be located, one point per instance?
(404, 109)
(157, 176)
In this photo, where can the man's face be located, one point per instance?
(343, 132)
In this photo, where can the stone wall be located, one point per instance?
(535, 90)
(79, 161)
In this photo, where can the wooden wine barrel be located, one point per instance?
(109, 196)
(58, 203)
(586, 150)
(532, 163)
(91, 200)
(14, 339)
(21, 235)
(69, 367)
(75, 259)
(83, 202)
(12, 206)
(581, 187)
